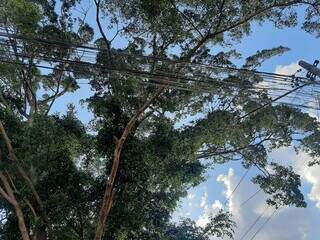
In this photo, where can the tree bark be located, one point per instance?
(21, 222)
(9, 196)
(23, 174)
(109, 191)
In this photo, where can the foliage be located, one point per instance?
(219, 226)
(277, 184)
(164, 155)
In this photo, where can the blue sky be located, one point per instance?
(208, 197)
(285, 224)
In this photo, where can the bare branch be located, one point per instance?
(57, 93)
(107, 42)
(207, 154)
(239, 23)
(5, 195)
(186, 17)
(9, 196)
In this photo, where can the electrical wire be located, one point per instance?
(205, 88)
(253, 224)
(171, 76)
(157, 74)
(238, 184)
(92, 47)
(263, 225)
(161, 82)
(251, 197)
(162, 75)
(175, 76)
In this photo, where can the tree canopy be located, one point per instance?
(123, 176)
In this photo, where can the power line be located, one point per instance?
(160, 82)
(164, 74)
(237, 186)
(253, 224)
(172, 84)
(265, 222)
(273, 100)
(92, 47)
(177, 77)
(171, 76)
(157, 74)
(251, 197)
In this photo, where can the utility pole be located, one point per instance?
(313, 71)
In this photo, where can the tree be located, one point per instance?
(218, 226)
(26, 89)
(131, 174)
(28, 93)
(189, 27)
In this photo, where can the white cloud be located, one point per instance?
(227, 180)
(299, 162)
(287, 69)
(313, 177)
(287, 224)
(204, 200)
(313, 108)
(273, 85)
(235, 200)
(310, 175)
(209, 211)
(191, 196)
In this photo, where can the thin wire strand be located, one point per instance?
(170, 76)
(91, 47)
(175, 77)
(264, 224)
(169, 84)
(251, 197)
(237, 186)
(253, 224)
(208, 80)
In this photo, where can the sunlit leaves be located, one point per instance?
(283, 186)
(23, 14)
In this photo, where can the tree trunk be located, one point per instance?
(21, 223)
(23, 173)
(109, 191)
(9, 196)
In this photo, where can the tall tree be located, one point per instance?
(183, 31)
(27, 93)
(130, 175)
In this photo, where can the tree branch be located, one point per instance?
(57, 93)
(109, 191)
(5, 195)
(186, 17)
(9, 196)
(208, 154)
(239, 23)
(23, 174)
(108, 44)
